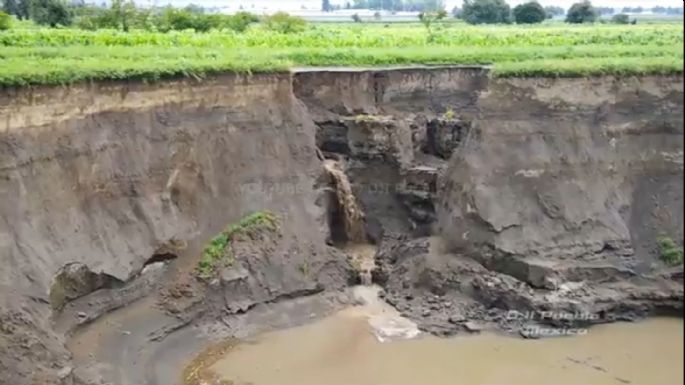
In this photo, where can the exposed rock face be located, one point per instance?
(76, 280)
(145, 164)
(537, 194)
(447, 293)
(585, 169)
(443, 136)
(557, 190)
(579, 168)
(397, 128)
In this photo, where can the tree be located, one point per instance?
(432, 5)
(194, 8)
(49, 12)
(18, 8)
(428, 18)
(486, 11)
(605, 10)
(240, 21)
(24, 6)
(356, 18)
(171, 19)
(529, 13)
(284, 23)
(124, 12)
(10, 7)
(620, 18)
(326, 5)
(398, 5)
(553, 11)
(582, 12)
(632, 10)
(674, 11)
(667, 10)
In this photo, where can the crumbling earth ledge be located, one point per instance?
(535, 191)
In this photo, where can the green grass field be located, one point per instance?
(58, 56)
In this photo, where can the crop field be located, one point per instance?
(57, 56)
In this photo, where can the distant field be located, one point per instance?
(54, 56)
(658, 19)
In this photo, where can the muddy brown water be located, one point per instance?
(342, 350)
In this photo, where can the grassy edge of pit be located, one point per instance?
(149, 73)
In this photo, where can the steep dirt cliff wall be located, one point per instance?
(580, 169)
(549, 184)
(379, 119)
(544, 166)
(527, 184)
(106, 174)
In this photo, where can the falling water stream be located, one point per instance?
(352, 214)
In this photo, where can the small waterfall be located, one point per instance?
(352, 218)
(366, 277)
(352, 214)
(364, 261)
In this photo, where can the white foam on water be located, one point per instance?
(385, 321)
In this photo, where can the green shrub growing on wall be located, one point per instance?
(669, 252)
(218, 253)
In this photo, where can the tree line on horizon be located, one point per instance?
(437, 5)
(531, 12)
(123, 14)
